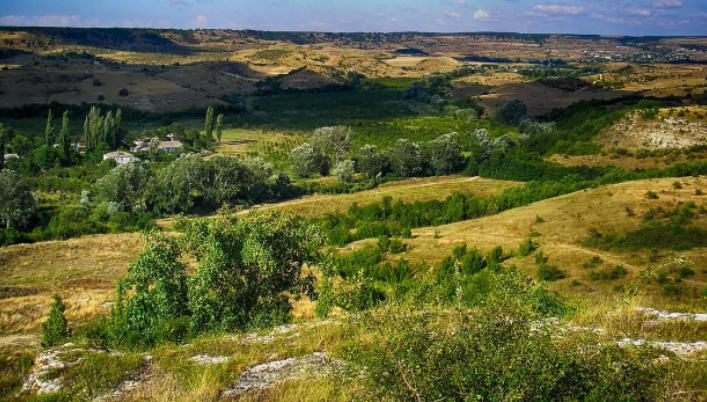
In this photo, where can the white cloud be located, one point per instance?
(639, 12)
(667, 3)
(481, 15)
(47, 20)
(557, 9)
(453, 14)
(201, 21)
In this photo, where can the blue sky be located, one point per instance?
(611, 17)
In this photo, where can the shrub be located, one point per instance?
(344, 171)
(651, 195)
(55, 329)
(123, 92)
(526, 248)
(614, 273)
(155, 290)
(244, 265)
(357, 294)
(550, 272)
(493, 353)
(307, 161)
(372, 162)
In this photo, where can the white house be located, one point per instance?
(120, 157)
(170, 146)
(7, 157)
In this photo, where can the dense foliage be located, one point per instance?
(243, 268)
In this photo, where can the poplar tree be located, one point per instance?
(3, 140)
(86, 135)
(219, 126)
(209, 125)
(65, 137)
(117, 134)
(108, 129)
(49, 129)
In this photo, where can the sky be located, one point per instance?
(607, 17)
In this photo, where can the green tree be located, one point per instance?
(55, 329)
(306, 160)
(209, 125)
(125, 184)
(49, 130)
(245, 265)
(513, 112)
(155, 290)
(3, 141)
(371, 161)
(181, 185)
(406, 158)
(17, 203)
(445, 154)
(219, 126)
(65, 137)
(344, 171)
(335, 140)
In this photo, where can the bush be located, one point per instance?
(497, 352)
(55, 329)
(614, 273)
(344, 171)
(243, 267)
(123, 92)
(526, 248)
(307, 161)
(651, 195)
(550, 273)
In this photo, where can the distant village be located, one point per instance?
(144, 145)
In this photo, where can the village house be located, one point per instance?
(170, 146)
(120, 157)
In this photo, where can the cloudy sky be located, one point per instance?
(622, 17)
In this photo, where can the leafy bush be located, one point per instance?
(243, 266)
(550, 273)
(344, 171)
(526, 248)
(55, 329)
(614, 273)
(497, 352)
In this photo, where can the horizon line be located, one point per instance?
(606, 35)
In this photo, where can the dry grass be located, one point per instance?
(241, 142)
(540, 98)
(624, 162)
(411, 190)
(565, 222)
(83, 271)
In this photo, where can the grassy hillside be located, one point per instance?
(560, 226)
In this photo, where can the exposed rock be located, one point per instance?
(45, 363)
(270, 374)
(680, 348)
(136, 378)
(256, 339)
(661, 315)
(207, 360)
